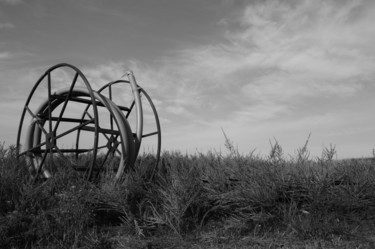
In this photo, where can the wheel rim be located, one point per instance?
(127, 109)
(117, 134)
(45, 84)
(74, 112)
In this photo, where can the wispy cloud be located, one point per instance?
(281, 53)
(5, 55)
(277, 69)
(294, 46)
(11, 2)
(7, 25)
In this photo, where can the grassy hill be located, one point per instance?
(212, 200)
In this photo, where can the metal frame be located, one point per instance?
(137, 103)
(43, 133)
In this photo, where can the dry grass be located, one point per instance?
(208, 200)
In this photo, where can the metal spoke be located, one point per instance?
(104, 131)
(65, 103)
(110, 151)
(31, 113)
(49, 102)
(102, 147)
(110, 97)
(37, 120)
(49, 137)
(74, 129)
(102, 164)
(40, 166)
(130, 109)
(117, 150)
(60, 153)
(52, 121)
(88, 114)
(32, 149)
(150, 134)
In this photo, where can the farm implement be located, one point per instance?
(94, 131)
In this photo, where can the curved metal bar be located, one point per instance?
(34, 134)
(141, 91)
(128, 155)
(36, 150)
(137, 103)
(37, 84)
(66, 102)
(157, 125)
(139, 111)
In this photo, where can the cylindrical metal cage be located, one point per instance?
(83, 127)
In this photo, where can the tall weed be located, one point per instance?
(228, 193)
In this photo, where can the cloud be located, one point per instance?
(6, 25)
(5, 55)
(275, 71)
(281, 54)
(276, 53)
(11, 2)
(316, 37)
(105, 73)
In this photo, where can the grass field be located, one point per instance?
(213, 200)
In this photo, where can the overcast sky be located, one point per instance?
(259, 70)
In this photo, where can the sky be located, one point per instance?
(261, 71)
